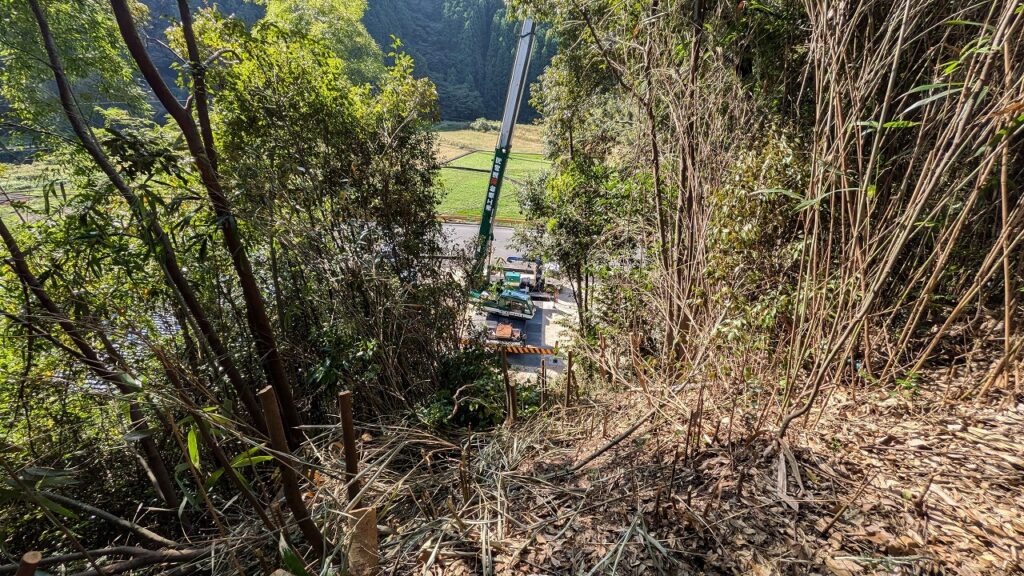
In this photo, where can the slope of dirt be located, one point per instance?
(875, 485)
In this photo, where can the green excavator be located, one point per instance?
(497, 299)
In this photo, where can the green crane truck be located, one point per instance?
(507, 303)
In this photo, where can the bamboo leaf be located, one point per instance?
(925, 87)
(929, 99)
(239, 461)
(136, 435)
(212, 480)
(292, 562)
(53, 506)
(783, 191)
(34, 472)
(955, 22)
(193, 448)
(252, 461)
(900, 124)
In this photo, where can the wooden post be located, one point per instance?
(364, 550)
(289, 478)
(568, 380)
(543, 381)
(514, 398)
(28, 564)
(348, 437)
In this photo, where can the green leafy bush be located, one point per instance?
(485, 125)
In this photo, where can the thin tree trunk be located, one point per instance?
(168, 258)
(89, 357)
(256, 313)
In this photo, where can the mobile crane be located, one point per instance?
(497, 300)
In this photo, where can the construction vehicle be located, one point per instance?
(531, 276)
(495, 298)
(505, 333)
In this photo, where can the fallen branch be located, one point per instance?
(140, 531)
(614, 441)
(77, 556)
(150, 558)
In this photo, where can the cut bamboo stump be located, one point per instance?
(364, 550)
(28, 564)
(348, 436)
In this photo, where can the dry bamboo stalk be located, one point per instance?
(543, 382)
(348, 436)
(510, 403)
(568, 380)
(289, 478)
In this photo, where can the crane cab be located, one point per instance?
(507, 303)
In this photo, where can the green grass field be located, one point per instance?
(22, 183)
(464, 191)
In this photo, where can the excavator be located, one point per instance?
(496, 298)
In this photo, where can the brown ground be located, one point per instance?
(454, 143)
(884, 483)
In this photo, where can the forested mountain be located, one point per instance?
(464, 46)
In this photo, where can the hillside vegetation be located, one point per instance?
(784, 238)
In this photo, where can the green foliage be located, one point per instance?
(465, 47)
(97, 64)
(485, 125)
(336, 23)
(332, 184)
(472, 394)
(753, 214)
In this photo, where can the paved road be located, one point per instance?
(466, 234)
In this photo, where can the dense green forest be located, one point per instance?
(783, 246)
(465, 47)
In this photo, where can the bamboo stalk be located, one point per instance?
(289, 478)
(510, 396)
(348, 436)
(543, 382)
(568, 380)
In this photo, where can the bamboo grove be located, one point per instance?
(791, 194)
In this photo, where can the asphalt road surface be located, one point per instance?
(466, 234)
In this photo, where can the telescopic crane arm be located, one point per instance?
(504, 147)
